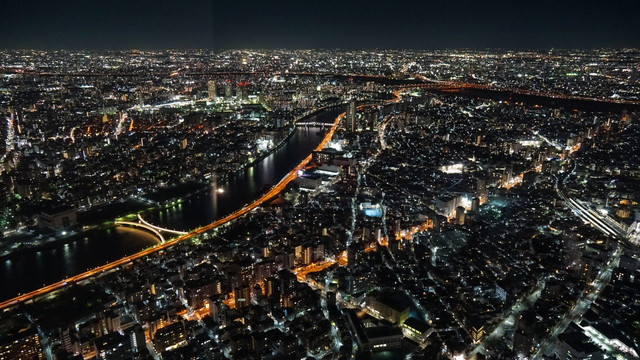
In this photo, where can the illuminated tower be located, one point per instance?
(228, 91)
(211, 85)
(481, 189)
(240, 92)
(460, 215)
(351, 116)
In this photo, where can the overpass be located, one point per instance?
(114, 265)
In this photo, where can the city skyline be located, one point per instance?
(247, 204)
(215, 180)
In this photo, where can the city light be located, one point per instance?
(319, 203)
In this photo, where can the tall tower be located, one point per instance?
(351, 115)
(245, 91)
(240, 92)
(460, 215)
(211, 85)
(481, 189)
(228, 90)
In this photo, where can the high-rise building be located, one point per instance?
(307, 255)
(477, 333)
(170, 337)
(355, 252)
(240, 92)
(212, 90)
(475, 204)
(481, 188)
(446, 204)
(228, 90)
(243, 91)
(351, 116)
(136, 335)
(507, 175)
(110, 322)
(271, 286)
(21, 345)
(242, 296)
(287, 281)
(460, 215)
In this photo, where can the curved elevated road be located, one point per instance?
(143, 226)
(275, 190)
(264, 198)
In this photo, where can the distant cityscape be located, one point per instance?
(320, 204)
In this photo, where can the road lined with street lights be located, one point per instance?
(127, 259)
(275, 190)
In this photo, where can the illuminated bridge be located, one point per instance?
(156, 230)
(143, 226)
(114, 265)
(160, 229)
(314, 124)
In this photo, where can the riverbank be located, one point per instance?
(297, 155)
(282, 142)
(168, 199)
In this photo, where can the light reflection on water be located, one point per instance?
(245, 186)
(27, 270)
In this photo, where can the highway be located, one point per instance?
(312, 124)
(275, 190)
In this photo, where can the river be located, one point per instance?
(245, 186)
(30, 269)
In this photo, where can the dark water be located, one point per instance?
(30, 269)
(245, 186)
(531, 99)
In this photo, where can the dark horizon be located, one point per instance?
(206, 24)
(495, 50)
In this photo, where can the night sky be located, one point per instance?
(214, 24)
